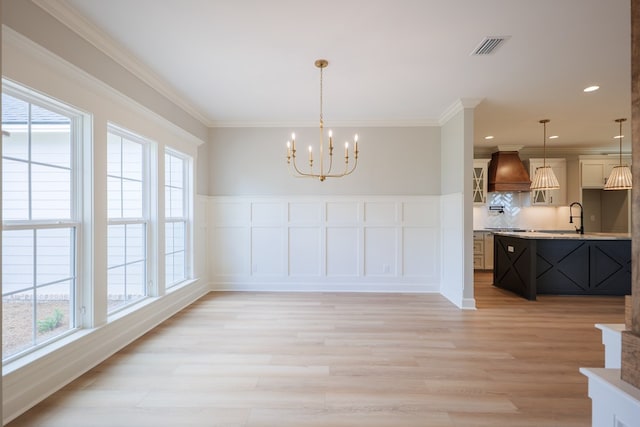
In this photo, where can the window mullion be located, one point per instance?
(121, 177)
(125, 263)
(34, 273)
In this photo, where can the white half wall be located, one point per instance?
(355, 243)
(453, 243)
(457, 207)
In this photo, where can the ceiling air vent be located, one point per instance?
(488, 45)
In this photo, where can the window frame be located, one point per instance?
(78, 123)
(145, 220)
(186, 218)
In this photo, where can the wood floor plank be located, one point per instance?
(349, 359)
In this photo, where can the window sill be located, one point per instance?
(73, 336)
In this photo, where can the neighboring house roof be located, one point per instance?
(15, 112)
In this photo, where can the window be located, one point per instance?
(176, 218)
(127, 191)
(41, 226)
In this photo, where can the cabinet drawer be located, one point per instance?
(478, 247)
(478, 262)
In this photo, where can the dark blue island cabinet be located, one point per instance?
(533, 263)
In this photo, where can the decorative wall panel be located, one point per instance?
(304, 213)
(342, 212)
(381, 251)
(387, 244)
(230, 246)
(267, 251)
(267, 213)
(420, 255)
(342, 251)
(304, 251)
(380, 212)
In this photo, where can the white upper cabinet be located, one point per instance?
(550, 197)
(480, 180)
(594, 171)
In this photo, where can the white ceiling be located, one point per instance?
(392, 62)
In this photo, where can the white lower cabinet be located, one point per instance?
(482, 250)
(488, 251)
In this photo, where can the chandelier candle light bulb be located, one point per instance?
(322, 174)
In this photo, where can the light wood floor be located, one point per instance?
(332, 359)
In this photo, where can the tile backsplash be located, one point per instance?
(513, 210)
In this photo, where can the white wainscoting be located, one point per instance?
(456, 253)
(382, 244)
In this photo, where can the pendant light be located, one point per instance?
(620, 177)
(545, 179)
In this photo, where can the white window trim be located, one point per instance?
(80, 123)
(148, 180)
(187, 218)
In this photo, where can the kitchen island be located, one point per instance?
(562, 263)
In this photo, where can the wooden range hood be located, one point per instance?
(507, 173)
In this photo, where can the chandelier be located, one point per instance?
(545, 179)
(620, 177)
(321, 173)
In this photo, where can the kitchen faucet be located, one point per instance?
(571, 216)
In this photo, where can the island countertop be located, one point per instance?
(564, 235)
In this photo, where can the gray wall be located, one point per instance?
(453, 133)
(202, 170)
(393, 161)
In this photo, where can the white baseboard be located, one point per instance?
(468, 304)
(382, 287)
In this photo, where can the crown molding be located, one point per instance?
(11, 37)
(68, 16)
(456, 107)
(333, 123)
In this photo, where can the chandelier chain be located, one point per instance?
(321, 99)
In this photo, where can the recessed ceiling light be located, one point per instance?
(591, 88)
(488, 137)
(553, 137)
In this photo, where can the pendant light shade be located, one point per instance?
(545, 179)
(620, 177)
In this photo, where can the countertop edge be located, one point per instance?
(541, 235)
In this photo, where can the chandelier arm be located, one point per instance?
(330, 163)
(298, 171)
(346, 171)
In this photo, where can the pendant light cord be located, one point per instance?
(544, 145)
(620, 121)
(544, 142)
